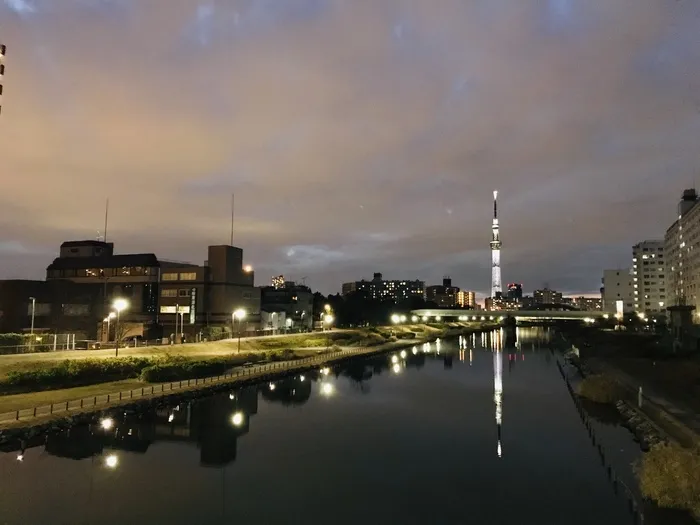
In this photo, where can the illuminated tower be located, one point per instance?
(3, 49)
(496, 290)
(498, 391)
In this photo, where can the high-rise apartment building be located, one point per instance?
(649, 277)
(682, 253)
(381, 289)
(547, 296)
(466, 299)
(445, 295)
(515, 291)
(617, 286)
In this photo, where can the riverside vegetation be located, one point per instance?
(670, 476)
(600, 388)
(160, 366)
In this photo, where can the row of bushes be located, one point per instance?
(78, 372)
(13, 339)
(670, 475)
(74, 372)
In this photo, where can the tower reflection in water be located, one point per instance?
(215, 423)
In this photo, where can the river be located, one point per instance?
(453, 432)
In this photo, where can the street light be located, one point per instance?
(118, 305)
(31, 330)
(108, 320)
(240, 315)
(328, 320)
(396, 318)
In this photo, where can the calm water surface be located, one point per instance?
(401, 438)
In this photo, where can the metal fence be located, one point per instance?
(174, 386)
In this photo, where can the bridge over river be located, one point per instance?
(443, 314)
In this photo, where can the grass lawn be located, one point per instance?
(46, 397)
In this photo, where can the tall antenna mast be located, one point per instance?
(106, 218)
(232, 205)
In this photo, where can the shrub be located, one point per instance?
(181, 368)
(406, 335)
(600, 389)
(670, 475)
(78, 371)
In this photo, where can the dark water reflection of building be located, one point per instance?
(214, 423)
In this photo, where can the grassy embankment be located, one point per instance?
(34, 379)
(51, 371)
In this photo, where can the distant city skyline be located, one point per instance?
(372, 144)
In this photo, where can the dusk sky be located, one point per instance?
(357, 135)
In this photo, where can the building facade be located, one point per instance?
(547, 296)
(617, 286)
(682, 257)
(588, 304)
(161, 293)
(444, 295)
(466, 299)
(514, 291)
(649, 277)
(294, 301)
(380, 289)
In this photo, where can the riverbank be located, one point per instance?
(23, 410)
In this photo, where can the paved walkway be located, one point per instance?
(673, 411)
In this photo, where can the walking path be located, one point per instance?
(673, 416)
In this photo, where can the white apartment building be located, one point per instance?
(681, 241)
(649, 277)
(617, 286)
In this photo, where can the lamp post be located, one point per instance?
(108, 320)
(31, 329)
(328, 320)
(119, 305)
(240, 315)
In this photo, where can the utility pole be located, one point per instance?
(31, 330)
(3, 50)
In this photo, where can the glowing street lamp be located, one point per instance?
(396, 318)
(240, 315)
(328, 320)
(108, 320)
(112, 461)
(327, 389)
(118, 305)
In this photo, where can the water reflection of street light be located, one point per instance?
(327, 389)
(394, 359)
(237, 419)
(396, 368)
(240, 315)
(119, 305)
(403, 354)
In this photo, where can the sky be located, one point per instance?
(357, 135)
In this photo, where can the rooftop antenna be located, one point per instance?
(232, 204)
(106, 218)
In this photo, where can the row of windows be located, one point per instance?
(189, 276)
(174, 292)
(102, 273)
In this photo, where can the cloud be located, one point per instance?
(350, 130)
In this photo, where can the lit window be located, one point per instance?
(183, 292)
(191, 276)
(169, 277)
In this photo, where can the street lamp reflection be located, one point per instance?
(396, 368)
(237, 419)
(327, 389)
